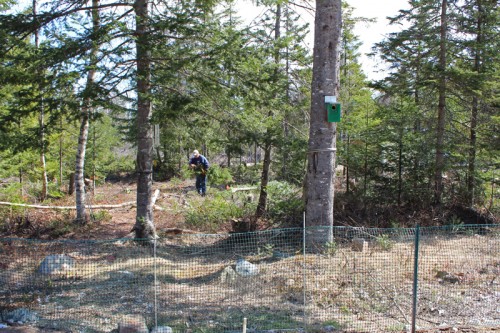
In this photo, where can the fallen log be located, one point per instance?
(237, 189)
(125, 204)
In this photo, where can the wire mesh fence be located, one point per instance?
(359, 280)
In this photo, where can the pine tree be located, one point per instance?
(322, 145)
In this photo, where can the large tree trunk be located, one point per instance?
(439, 167)
(144, 226)
(320, 174)
(81, 214)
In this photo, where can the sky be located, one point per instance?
(368, 33)
(374, 32)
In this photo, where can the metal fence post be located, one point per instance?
(304, 278)
(415, 279)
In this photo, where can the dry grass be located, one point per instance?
(367, 291)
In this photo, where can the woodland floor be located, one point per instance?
(173, 200)
(176, 197)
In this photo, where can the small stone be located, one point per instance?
(359, 245)
(228, 275)
(162, 329)
(133, 324)
(121, 275)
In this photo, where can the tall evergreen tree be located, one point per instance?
(322, 134)
(420, 57)
(478, 26)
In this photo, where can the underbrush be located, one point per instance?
(284, 208)
(45, 224)
(208, 213)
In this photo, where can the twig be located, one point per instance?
(390, 297)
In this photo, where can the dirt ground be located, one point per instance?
(177, 197)
(174, 200)
(109, 223)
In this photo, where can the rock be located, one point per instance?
(245, 268)
(18, 329)
(444, 276)
(359, 245)
(56, 264)
(280, 255)
(133, 324)
(121, 275)
(162, 329)
(19, 316)
(228, 275)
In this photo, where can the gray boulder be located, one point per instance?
(56, 264)
(19, 316)
(245, 268)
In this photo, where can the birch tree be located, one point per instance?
(80, 194)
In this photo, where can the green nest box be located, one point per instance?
(333, 112)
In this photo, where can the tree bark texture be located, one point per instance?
(320, 174)
(471, 182)
(80, 196)
(81, 215)
(144, 227)
(439, 167)
(264, 179)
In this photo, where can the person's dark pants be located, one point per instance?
(201, 184)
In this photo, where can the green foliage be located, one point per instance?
(60, 227)
(219, 176)
(186, 172)
(101, 216)
(331, 248)
(384, 242)
(285, 205)
(291, 160)
(11, 192)
(244, 174)
(210, 212)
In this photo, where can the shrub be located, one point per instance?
(285, 205)
(11, 192)
(219, 176)
(246, 174)
(384, 242)
(210, 212)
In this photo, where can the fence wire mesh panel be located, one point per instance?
(459, 276)
(290, 280)
(359, 279)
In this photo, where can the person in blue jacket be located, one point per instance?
(200, 165)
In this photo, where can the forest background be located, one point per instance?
(85, 84)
